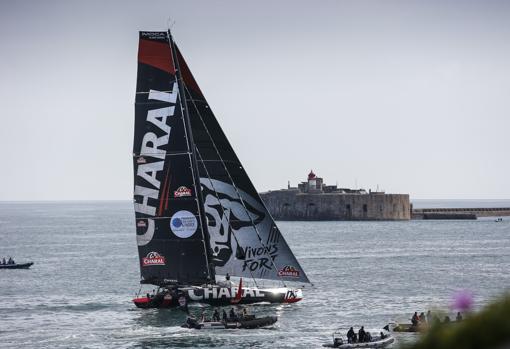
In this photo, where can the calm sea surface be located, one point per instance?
(78, 293)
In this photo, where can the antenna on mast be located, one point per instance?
(170, 23)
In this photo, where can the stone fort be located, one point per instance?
(315, 201)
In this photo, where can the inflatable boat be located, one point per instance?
(382, 340)
(246, 322)
(16, 266)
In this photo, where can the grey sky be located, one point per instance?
(411, 95)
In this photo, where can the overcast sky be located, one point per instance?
(413, 96)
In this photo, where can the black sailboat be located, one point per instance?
(198, 216)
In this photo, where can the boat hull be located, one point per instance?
(219, 296)
(381, 343)
(16, 266)
(249, 323)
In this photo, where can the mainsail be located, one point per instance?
(171, 237)
(230, 229)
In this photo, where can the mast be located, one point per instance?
(194, 163)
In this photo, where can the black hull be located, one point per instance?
(16, 266)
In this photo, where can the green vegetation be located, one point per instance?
(489, 328)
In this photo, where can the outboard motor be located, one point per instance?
(338, 342)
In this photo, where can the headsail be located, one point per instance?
(244, 238)
(172, 243)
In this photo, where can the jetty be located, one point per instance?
(459, 213)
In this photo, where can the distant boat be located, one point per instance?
(16, 265)
(198, 215)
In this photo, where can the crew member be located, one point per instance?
(350, 335)
(415, 319)
(216, 315)
(224, 315)
(459, 317)
(361, 334)
(232, 314)
(429, 317)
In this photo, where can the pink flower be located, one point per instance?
(462, 300)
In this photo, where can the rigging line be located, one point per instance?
(191, 155)
(237, 191)
(222, 208)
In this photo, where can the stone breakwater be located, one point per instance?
(458, 213)
(293, 205)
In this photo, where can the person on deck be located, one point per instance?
(216, 315)
(368, 337)
(415, 319)
(232, 314)
(3, 261)
(350, 335)
(429, 317)
(224, 316)
(361, 334)
(10, 261)
(459, 317)
(422, 318)
(447, 319)
(382, 335)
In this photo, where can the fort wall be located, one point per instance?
(295, 205)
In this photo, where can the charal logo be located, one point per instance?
(183, 224)
(288, 270)
(153, 258)
(141, 224)
(141, 160)
(182, 191)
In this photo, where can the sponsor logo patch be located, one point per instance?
(182, 191)
(153, 258)
(141, 160)
(141, 224)
(288, 270)
(183, 224)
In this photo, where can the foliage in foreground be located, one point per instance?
(489, 328)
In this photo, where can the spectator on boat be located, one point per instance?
(224, 315)
(429, 317)
(227, 282)
(11, 261)
(447, 319)
(232, 314)
(350, 335)
(415, 319)
(245, 312)
(368, 337)
(422, 318)
(459, 317)
(361, 334)
(3, 261)
(382, 335)
(216, 315)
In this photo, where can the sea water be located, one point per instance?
(78, 293)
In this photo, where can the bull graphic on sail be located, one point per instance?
(197, 213)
